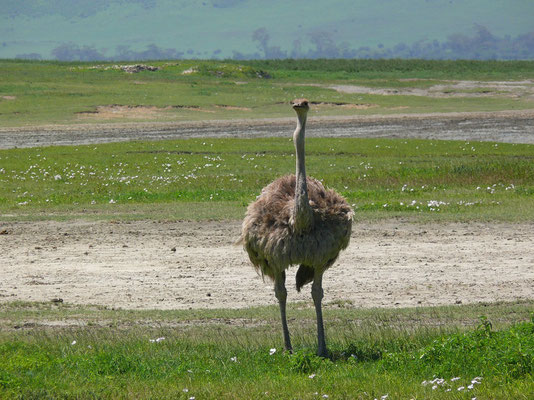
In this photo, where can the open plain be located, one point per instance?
(121, 196)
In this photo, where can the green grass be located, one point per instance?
(40, 93)
(216, 178)
(392, 69)
(214, 354)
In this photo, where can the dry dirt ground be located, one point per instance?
(501, 126)
(452, 89)
(181, 265)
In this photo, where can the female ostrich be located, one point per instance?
(296, 221)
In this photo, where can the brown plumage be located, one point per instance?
(296, 221)
(269, 237)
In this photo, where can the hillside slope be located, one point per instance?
(226, 28)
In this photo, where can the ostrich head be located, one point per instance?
(301, 106)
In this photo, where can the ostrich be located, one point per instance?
(296, 221)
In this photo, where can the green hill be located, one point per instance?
(246, 28)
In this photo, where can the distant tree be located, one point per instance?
(527, 42)
(325, 46)
(458, 43)
(482, 45)
(237, 55)
(73, 52)
(122, 52)
(483, 36)
(29, 56)
(262, 37)
(152, 52)
(296, 51)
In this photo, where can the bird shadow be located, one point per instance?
(356, 352)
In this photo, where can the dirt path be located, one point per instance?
(502, 126)
(133, 265)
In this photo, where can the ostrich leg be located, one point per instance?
(281, 294)
(317, 295)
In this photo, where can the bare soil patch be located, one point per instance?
(451, 89)
(120, 112)
(388, 264)
(324, 104)
(116, 111)
(515, 126)
(226, 107)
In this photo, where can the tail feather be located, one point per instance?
(304, 275)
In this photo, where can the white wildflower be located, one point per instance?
(311, 376)
(73, 343)
(272, 351)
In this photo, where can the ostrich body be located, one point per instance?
(296, 221)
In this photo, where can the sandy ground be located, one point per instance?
(502, 126)
(180, 265)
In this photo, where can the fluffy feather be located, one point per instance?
(269, 238)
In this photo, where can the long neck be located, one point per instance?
(302, 213)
